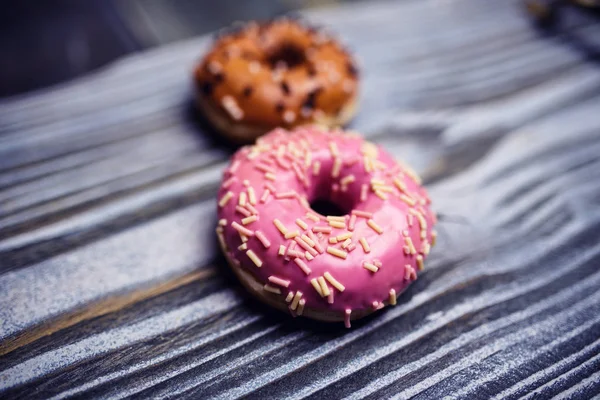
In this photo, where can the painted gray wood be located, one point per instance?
(112, 285)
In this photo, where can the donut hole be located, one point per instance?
(327, 207)
(287, 53)
(325, 197)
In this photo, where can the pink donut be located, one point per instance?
(331, 268)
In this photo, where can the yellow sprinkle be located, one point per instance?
(289, 297)
(347, 179)
(324, 287)
(312, 217)
(316, 167)
(346, 243)
(269, 185)
(343, 236)
(376, 182)
(322, 229)
(222, 222)
(426, 248)
(316, 285)
(381, 195)
(242, 199)
(280, 226)
(422, 221)
(420, 263)
(363, 192)
(379, 165)
(265, 196)
(280, 150)
(408, 200)
(301, 223)
(334, 150)
(270, 176)
(257, 261)
(252, 155)
(286, 195)
(304, 202)
(433, 238)
(369, 149)
(243, 246)
(269, 288)
(410, 245)
(333, 240)
(370, 267)
(365, 245)
(423, 234)
(308, 256)
(384, 189)
(225, 199)
(337, 165)
(392, 297)
(252, 195)
(296, 300)
(249, 219)
(263, 168)
(302, 265)
(243, 237)
(291, 235)
(334, 282)
(308, 240)
(301, 304)
(374, 226)
(400, 185)
(337, 252)
(281, 251)
(335, 218)
(337, 224)
(368, 164)
(362, 214)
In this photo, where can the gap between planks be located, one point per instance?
(100, 308)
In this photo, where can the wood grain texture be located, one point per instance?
(112, 285)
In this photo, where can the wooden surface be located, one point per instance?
(112, 285)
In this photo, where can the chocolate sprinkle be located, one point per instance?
(219, 77)
(247, 91)
(311, 71)
(206, 88)
(311, 98)
(285, 88)
(352, 70)
(246, 55)
(279, 107)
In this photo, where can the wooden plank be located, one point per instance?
(113, 285)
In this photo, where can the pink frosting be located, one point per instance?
(285, 161)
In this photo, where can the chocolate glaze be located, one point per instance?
(253, 55)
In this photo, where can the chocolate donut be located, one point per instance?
(332, 268)
(281, 73)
